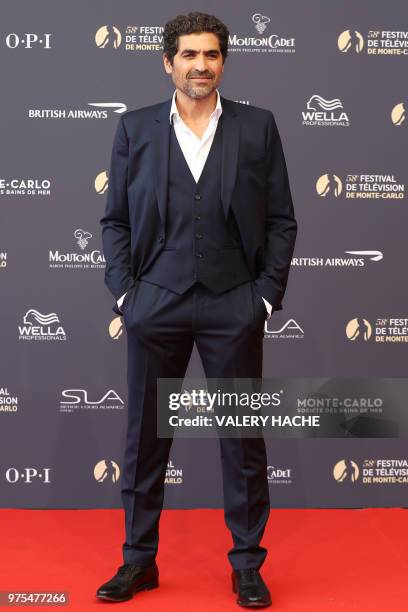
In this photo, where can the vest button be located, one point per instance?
(199, 255)
(198, 236)
(197, 196)
(161, 239)
(198, 217)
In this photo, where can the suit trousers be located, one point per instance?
(162, 327)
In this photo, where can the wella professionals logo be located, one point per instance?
(263, 43)
(28, 40)
(324, 112)
(98, 110)
(398, 114)
(360, 186)
(37, 326)
(101, 183)
(136, 37)
(93, 259)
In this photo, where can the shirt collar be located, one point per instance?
(215, 114)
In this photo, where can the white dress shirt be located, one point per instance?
(195, 150)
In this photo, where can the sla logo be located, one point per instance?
(77, 399)
(28, 475)
(346, 471)
(101, 183)
(41, 327)
(291, 329)
(324, 112)
(106, 470)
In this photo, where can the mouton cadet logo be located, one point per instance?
(91, 260)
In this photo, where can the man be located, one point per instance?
(198, 236)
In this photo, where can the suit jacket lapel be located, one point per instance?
(161, 144)
(229, 161)
(230, 147)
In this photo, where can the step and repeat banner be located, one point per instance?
(334, 75)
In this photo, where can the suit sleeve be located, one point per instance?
(281, 225)
(115, 222)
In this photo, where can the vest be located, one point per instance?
(201, 245)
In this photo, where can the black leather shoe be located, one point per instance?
(251, 589)
(128, 580)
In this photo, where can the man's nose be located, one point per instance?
(201, 63)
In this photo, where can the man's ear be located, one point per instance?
(166, 64)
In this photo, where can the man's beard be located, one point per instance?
(194, 91)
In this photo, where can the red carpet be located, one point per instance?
(318, 560)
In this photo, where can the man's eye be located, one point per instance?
(213, 55)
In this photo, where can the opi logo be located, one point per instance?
(28, 475)
(28, 40)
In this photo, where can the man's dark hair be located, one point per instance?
(193, 23)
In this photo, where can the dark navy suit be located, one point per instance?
(195, 259)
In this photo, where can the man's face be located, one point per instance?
(198, 55)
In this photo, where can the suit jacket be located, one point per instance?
(254, 184)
